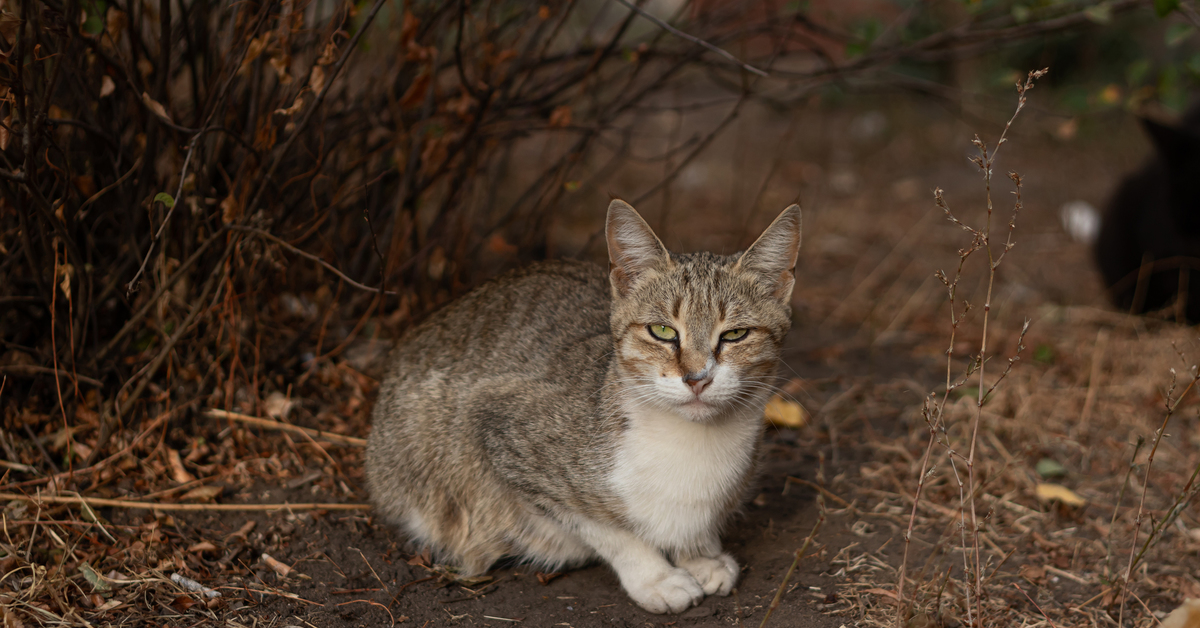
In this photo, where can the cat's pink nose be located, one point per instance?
(697, 382)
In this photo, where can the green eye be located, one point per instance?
(662, 332)
(734, 334)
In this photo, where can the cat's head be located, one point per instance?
(698, 334)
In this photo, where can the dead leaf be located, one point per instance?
(256, 47)
(1035, 575)
(547, 578)
(560, 117)
(296, 105)
(887, 596)
(1051, 492)
(242, 532)
(281, 64)
(10, 619)
(231, 210)
(5, 135)
(203, 546)
(278, 405)
(316, 79)
(202, 494)
(497, 244)
(178, 473)
(784, 413)
(543, 12)
(156, 107)
(329, 54)
(1186, 616)
(114, 20)
(415, 93)
(107, 86)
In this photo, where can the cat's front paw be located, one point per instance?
(715, 575)
(671, 591)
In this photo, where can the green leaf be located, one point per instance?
(1020, 13)
(98, 583)
(1164, 7)
(1043, 354)
(1177, 33)
(165, 199)
(1100, 14)
(93, 25)
(1137, 72)
(1050, 468)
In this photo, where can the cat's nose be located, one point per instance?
(697, 381)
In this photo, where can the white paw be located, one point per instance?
(673, 590)
(715, 575)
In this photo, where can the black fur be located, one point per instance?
(1153, 220)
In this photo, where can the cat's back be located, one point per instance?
(529, 322)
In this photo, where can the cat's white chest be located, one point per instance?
(677, 477)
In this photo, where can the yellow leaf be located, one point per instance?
(784, 413)
(1052, 492)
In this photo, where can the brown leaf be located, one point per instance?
(5, 135)
(86, 185)
(107, 86)
(560, 117)
(497, 244)
(316, 79)
(256, 47)
(544, 12)
(156, 107)
(885, 595)
(203, 546)
(329, 54)
(178, 473)
(415, 93)
(202, 494)
(114, 20)
(10, 619)
(1034, 574)
(296, 105)
(281, 64)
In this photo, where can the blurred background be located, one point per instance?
(210, 198)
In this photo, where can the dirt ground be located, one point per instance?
(867, 347)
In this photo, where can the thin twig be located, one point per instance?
(285, 427)
(138, 505)
(696, 40)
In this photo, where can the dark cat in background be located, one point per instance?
(1149, 244)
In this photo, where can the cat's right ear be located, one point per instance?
(1173, 144)
(632, 246)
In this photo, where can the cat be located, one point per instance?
(557, 416)
(1148, 249)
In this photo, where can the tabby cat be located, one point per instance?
(557, 416)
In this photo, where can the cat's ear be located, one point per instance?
(1174, 144)
(773, 255)
(632, 246)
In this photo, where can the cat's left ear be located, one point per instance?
(633, 249)
(773, 255)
